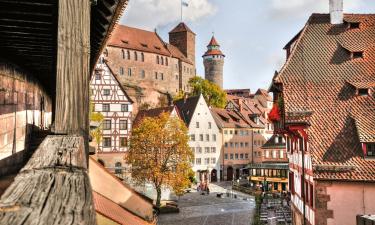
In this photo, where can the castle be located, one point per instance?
(213, 60)
(149, 67)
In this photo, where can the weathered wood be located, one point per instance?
(72, 84)
(53, 188)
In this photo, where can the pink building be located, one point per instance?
(325, 105)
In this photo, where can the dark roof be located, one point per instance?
(151, 113)
(28, 34)
(181, 27)
(316, 80)
(186, 108)
(271, 143)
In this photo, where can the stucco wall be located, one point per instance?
(21, 102)
(345, 201)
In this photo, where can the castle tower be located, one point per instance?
(213, 61)
(184, 39)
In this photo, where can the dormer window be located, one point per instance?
(357, 55)
(125, 42)
(354, 25)
(144, 45)
(370, 149)
(363, 91)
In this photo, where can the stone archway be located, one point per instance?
(214, 175)
(229, 173)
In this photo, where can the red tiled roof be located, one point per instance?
(152, 113)
(115, 212)
(315, 79)
(143, 40)
(181, 27)
(228, 119)
(213, 42)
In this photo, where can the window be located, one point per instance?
(207, 137)
(123, 142)
(142, 57)
(357, 55)
(231, 132)
(281, 154)
(246, 155)
(213, 160)
(106, 142)
(209, 125)
(128, 54)
(236, 144)
(214, 137)
(97, 76)
(267, 154)
(106, 124)
(206, 150)
(118, 168)
(157, 59)
(106, 92)
(363, 91)
(130, 72)
(291, 182)
(231, 155)
(123, 54)
(162, 76)
(143, 74)
(213, 149)
(166, 61)
(226, 156)
(123, 124)
(201, 137)
(192, 137)
(235, 132)
(370, 149)
(198, 161)
(231, 144)
(199, 150)
(225, 132)
(206, 160)
(241, 156)
(121, 70)
(354, 25)
(311, 196)
(105, 108)
(162, 60)
(196, 124)
(236, 156)
(135, 56)
(156, 75)
(274, 154)
(241, 144)
(246, 144)
(192, 149)
(124, 108)
(176, 77)
(226, 144)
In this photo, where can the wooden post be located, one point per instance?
(72, 78)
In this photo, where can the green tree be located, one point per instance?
(213, 94)
(159, 154)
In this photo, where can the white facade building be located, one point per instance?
(205, 138)
(110, 99)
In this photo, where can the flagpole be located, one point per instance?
(181, 10)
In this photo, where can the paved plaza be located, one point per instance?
(196, 209)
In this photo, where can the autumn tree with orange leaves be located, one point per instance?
(159, 154)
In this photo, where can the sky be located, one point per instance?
(251, 33)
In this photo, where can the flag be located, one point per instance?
(185, 4)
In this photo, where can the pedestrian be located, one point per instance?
(208, 190)
(198, 187)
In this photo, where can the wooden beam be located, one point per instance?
(53, 187)
(72, 79)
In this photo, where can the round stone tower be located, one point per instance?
(213, 61)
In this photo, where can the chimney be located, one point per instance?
(336, 11)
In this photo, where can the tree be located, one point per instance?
(159, 153)
(96, 133)
(212, 93)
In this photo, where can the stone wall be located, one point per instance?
(213, 69)
(23, 106)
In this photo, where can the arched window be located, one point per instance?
(157, 59)
(162, 60)
(128, 53)
(142, 57)
(135, 56)
(118, 168)
(166, 61)
(123, 54)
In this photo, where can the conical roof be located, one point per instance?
(213, 42)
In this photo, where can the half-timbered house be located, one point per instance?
(110, 99)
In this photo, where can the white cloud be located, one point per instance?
(150, 14)
(301, 8)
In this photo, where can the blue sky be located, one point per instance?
(251, 33)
